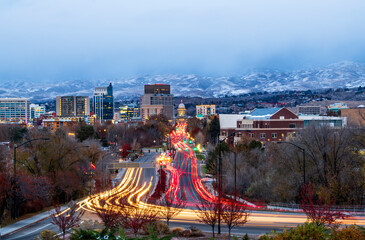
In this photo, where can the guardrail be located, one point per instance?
(355, 208)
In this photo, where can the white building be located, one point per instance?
(37, 110)
(205, 110)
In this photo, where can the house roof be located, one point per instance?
(262, 113)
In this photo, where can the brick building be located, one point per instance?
(265, 125)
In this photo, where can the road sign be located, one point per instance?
(115, 166)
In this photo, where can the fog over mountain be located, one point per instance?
(342, 74)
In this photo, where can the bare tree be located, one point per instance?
(135, 217)
(66, 219)
(207, 212)
(111, 216)
(234, 213)
(170, 209)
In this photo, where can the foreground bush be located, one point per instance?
(111, 235)
(317, 232)
(177, 231)
(348, 232)
(47, 235)
(158, 226)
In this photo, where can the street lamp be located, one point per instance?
(14, 174)
(219, 177)
(303, 151)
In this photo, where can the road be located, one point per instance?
(35, 229)
(186, 185)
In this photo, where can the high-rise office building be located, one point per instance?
(157, 99)
(103, 103)
(14, 110)
(72, 106)
(37, 110)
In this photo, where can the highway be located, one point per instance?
(144, 175)
(185, 184)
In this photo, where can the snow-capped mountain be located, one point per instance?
(343, 74)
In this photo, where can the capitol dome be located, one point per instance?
(181, 105)
(181, 110)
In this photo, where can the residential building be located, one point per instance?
(14, 110)
(103, 103)
(205, 110)
(157, 99)
(37, 110)
(72, 106)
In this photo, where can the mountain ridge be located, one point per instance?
(337, 75)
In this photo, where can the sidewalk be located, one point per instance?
(26, 222)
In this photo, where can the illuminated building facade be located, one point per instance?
(205, 110)
(14, 110)
(37, 110)
(262, 124)
(103, 103)
(157, 99)
(129, 111)
(72, 106)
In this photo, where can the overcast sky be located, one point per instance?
(63, 39)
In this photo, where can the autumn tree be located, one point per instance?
(5, 188)
(322, 211)
(234, 213)
(170, 208)
(333, 164)
(65, 220)
(207, 212)
(135, 217)
(111, 216)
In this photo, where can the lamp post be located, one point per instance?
(103, 165)
(303, 151)
(14, 173)
(220, 178)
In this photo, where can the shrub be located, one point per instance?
(90, 225)
(349, 233)
(305, 231)
(93, 235)
(196, 232)
(47, 235)
(158, 226)
(245, 237)
(177, 231)
(186, 233)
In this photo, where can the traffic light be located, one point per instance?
(170, 154)
(190, 142)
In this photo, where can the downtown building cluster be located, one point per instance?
(270, 124)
